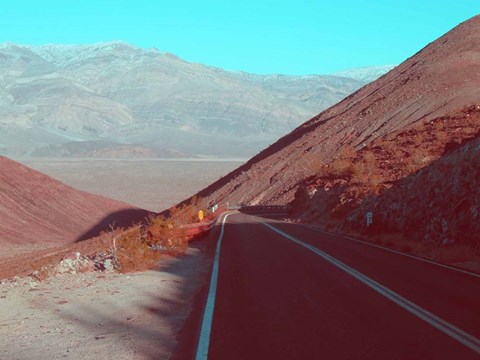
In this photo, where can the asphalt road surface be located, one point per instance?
(284, 291)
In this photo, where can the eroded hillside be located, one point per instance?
(438, 81)
(421, 182)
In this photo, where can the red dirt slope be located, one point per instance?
(421, 182)
(39, 210)
(440, 80)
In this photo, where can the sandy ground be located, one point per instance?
(101, 315)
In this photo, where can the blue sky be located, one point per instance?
(259, 36)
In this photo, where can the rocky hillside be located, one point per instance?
(56, 94)
(36, 209)
(448, 212)
(404, 148)
(420, 181)
(440, 80)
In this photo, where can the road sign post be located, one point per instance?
(369, 218)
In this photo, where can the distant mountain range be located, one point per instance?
(116, 100)
(365, 74)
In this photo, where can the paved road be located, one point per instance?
(283, 291)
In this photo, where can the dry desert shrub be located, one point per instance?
(341, 168)
(417, 160)
(141, 246)
(165, 234)
(366, 173)
(343, 165)
(188, 213)
(130, 250)
(309, 163)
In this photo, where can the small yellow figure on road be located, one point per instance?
(200, 215)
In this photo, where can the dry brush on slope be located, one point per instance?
(141, 246)
(420, 183)
(43, 220)
(125, 249)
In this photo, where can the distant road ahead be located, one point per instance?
(283, 291)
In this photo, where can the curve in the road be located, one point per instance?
(205, 341)
(442, 325)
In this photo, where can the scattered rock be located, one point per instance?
(74, 263)
(159, 248)
(36, 275)
(103, 262)
(108, 265)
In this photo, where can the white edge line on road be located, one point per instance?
(272, 214)
(204, 338)
(442, 325)
(392, 250)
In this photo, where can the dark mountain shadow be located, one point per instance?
(122, 218)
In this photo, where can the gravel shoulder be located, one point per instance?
(101, 315)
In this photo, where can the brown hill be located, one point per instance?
(441, 79)
(407, 179)
(420, 186)
(38, 211)
(403, 148)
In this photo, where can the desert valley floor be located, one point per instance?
(149, 184)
